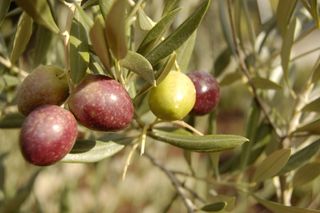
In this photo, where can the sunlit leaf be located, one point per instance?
(279, 208)
(179, 36)
(301, 157)
(139, 65)
(313, 106)
(40, 11)
(184, 52)
(311, 127)
(22, 37)
(207, 143)
(145, 22)
(284, 13)
(271, 165)
(79, 51)
(170, 5)
(99, 42)
(286, 47)
(306, 174)
(13, 120)
(225, 24)
(115, 29)
(155, 34)
(264, 83)
(87, 151)
(4, 7)
(214, 207)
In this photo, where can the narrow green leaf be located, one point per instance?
(279, 208)
(155, 34)
(40, 11)
(160, 75)
(225, 24)
(79, 50)
(301, 157)
(306, 174)
(87, 151)
(207, 143)
(312, 127)
(264, 83)
(115, 30)
(271, 165)
(170, 5)
(316, 72)
(145, 22)
(105, 6)
(222, 61)
(179, 36)
(313, 106)
(230, 78)
(85, 19)
(4, 7)
(98, 41)
(13, 120)
(184, 52)
(44, 38)
(214, 207)
(22, 37)
(139, 65)
(286, 48)
(284, 13)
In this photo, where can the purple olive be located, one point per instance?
(207, 92)
(47, 135)
(101, 103)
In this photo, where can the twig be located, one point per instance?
(175, 182)
(168, 207)
(187, 126)
(7, 63)
(246, 73)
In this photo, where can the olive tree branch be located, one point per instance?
(246, 73)
(7, 63)
(175, 182)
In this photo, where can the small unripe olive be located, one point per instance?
(173, 98)
(44, 85)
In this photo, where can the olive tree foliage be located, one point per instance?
(266, 167)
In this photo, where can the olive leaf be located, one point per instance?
(115, 30)
(145, 22)
(313, 106)
(44, 38)
(264, 83)
(306, 174)
(230, 78)
(311, 127)
(79, 50)
(301, 157)
(139, 65)
(284, 13)
(13, 120)
(179, 36)
(105, 6)
(155, 34)
(279, 208)
(222, 62)
(207, 143)
(87, 151)
(4, 7)
(271, 165)
(184, 52)
(40, 11)
(98, 41)
(170, 5)
(22, 37)
(214, 207)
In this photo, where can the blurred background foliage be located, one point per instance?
(98, 187)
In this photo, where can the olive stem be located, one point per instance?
(7, 63)
(187, 126)
(128, 161)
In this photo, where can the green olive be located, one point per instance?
(173, 98)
